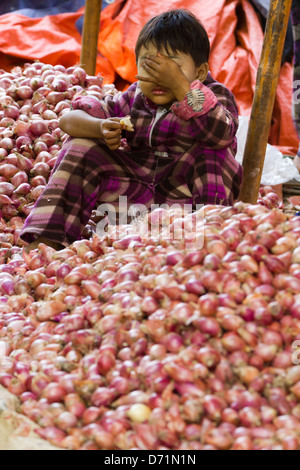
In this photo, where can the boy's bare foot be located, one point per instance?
(33, 245)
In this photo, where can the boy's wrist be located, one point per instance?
(198, 101)
(181, 90)
(100, 127)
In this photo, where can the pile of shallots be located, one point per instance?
(137, 342)
(179, 331)
(32, 99)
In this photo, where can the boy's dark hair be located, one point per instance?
(176, 30)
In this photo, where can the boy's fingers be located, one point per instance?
(158, 59)
(112, 139)
(113, 131)
(115, 119)
(114, 146)
(144, 79)
(151, 63)
(114, 124)
(151, 66)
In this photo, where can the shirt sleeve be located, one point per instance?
(112, 105)
(211, 112)
(91, 105)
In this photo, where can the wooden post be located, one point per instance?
(264, 98)
(90, 34)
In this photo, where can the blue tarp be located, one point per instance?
(40, 8)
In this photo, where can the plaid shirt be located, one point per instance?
(184, 155)
(203, 127)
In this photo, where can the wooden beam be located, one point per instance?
(90, 34)
(264, 98)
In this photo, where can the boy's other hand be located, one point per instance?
(111, 130)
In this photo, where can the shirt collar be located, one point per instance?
(150, 103)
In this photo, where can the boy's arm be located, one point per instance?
(112, 105)
(78, 123)
(212, 114)
(88, 113)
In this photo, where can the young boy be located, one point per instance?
(182, 149)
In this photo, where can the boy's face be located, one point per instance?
(164, 96)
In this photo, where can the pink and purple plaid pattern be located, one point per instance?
(185, 156)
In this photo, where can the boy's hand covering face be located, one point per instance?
(161, 70)
(166, 78)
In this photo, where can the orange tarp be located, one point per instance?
(233, 27)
